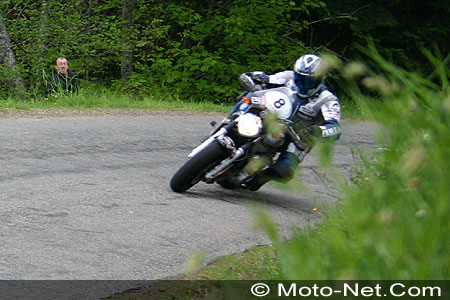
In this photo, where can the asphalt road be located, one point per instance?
(89, 197)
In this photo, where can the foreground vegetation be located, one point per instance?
(392, 222)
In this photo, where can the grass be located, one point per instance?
(391, 222)
(100, 97)
(256, 263)
(207, 283)
(92, 97)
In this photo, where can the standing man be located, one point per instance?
(62, 79)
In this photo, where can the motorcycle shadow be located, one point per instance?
(269, 195)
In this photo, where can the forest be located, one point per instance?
(197, 49)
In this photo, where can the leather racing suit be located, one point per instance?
(319, 114)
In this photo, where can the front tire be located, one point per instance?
(196, 167)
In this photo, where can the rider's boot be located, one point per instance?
(255, 183)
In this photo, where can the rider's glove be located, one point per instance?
(260, 77)
(331, 132)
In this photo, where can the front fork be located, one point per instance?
(219, 169)
(220, 134)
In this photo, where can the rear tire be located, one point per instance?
(196, 167)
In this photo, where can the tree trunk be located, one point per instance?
(8, 60)
(127, 40)
(42, 43)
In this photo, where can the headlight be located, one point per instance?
(249, 125)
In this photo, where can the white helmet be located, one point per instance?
(307, 77)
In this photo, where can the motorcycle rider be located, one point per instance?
(317, 110)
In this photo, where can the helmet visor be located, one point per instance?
(307, 82)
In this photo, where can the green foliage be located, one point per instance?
(197, 49)
(392, 222)
(43, 30)
(209, 44)
(194, 49)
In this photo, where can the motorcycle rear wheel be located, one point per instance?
(196, 167)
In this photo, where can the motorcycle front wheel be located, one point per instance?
(196, 167)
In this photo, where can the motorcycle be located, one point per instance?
(246, 143)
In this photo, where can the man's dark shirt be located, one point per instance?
(60, 83)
